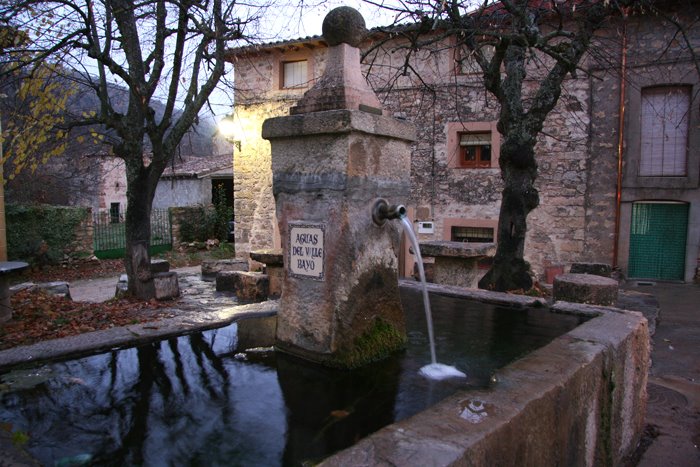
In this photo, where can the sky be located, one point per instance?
(293, 23)
(308, 23)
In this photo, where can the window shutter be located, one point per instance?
(475, 139)
(295, 74)
(664, 131)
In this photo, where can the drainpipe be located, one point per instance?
(621, 136)
(3, 229)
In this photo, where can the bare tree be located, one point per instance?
(160, 50)
(503, 39)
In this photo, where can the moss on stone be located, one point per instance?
(379, 341)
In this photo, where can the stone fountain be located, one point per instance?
(335, 160)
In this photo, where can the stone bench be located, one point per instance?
(585, 288)
(210, 268)
(274, 268)
(249, 286)
(457, 263)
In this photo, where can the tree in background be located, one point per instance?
(505, 40)
(165, 51)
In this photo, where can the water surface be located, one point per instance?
(222, 398)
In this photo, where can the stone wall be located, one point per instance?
(83, 242)
(439, 192)
(258, 98)
(112, 184)
(576, 153)
(254, 204)
(654, 58)
(182, 192)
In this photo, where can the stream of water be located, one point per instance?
(434, 370)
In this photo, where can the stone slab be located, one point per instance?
(225, 281)
(585, 288)
(337, 121)
(457, 263)
(276, 277)
(98, 341)
(57, 288)
(271, 257)
(210, 268)
(457, 249)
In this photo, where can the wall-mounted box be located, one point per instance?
(426, 227)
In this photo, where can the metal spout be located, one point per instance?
(382, 211)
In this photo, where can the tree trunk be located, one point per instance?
(518, 170)
(138, 233)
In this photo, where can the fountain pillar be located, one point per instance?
(332, 158)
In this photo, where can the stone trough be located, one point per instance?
(581, 400)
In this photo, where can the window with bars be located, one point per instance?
(294, 74)
(664, 131)
(472, 234)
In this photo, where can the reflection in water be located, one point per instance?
(202, 399)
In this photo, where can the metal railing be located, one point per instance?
(109, 233)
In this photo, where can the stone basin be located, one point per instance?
(581, 400)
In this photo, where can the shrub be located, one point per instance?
(42, 234)
(202, 223)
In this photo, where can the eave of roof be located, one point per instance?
(198, 167)
(309, 42)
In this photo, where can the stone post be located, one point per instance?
(331, 160)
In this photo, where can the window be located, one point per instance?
(475, 150)
(472, 234)
(664, 131)
(294, 74)
(114, 216)
(472, 145)
(472, 231)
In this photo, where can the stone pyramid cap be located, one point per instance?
(342, 85)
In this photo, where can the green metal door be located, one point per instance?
(657, 240)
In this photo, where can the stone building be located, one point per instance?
(612, 189)
(194, 182)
